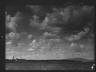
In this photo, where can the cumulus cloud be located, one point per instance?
(73, 45)
(55, 40)
(44, 45)
(69, 19)
(9, 42)
(78, 36)
(77, 47)
(29, 36)
(48, 34)
(30, 49)
(34, 22)
(44, 24)
(82, 46)
(14, 38)
(13, 35)
(10, 36)
(11, 22)
(56, 29)
(33, 44)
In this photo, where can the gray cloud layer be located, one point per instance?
(68, 19)
(78, 36)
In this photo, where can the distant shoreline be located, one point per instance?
(66, 60)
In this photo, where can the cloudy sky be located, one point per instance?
(49, 32)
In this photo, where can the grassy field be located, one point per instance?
(49, 66)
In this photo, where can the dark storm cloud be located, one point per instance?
(67, 19)
(35, 8)
(17, 18)
(72, 19)
(13, 9)
(40, 9)
(78, 36)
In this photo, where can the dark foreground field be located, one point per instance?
(49, 66)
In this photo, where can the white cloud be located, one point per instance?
(77, 47)
(30, 49)
(35, 21)
(12, 24)
(13, 35)
(73, 45)
(44, 24)
(9, 42)
(33, 44)
(14, 38)
(11, 21)
(55, 40)
(48, 34)
(29, 36)
(43, 45)
(81, 45)
(46, 45)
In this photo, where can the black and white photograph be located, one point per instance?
(49, 37)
